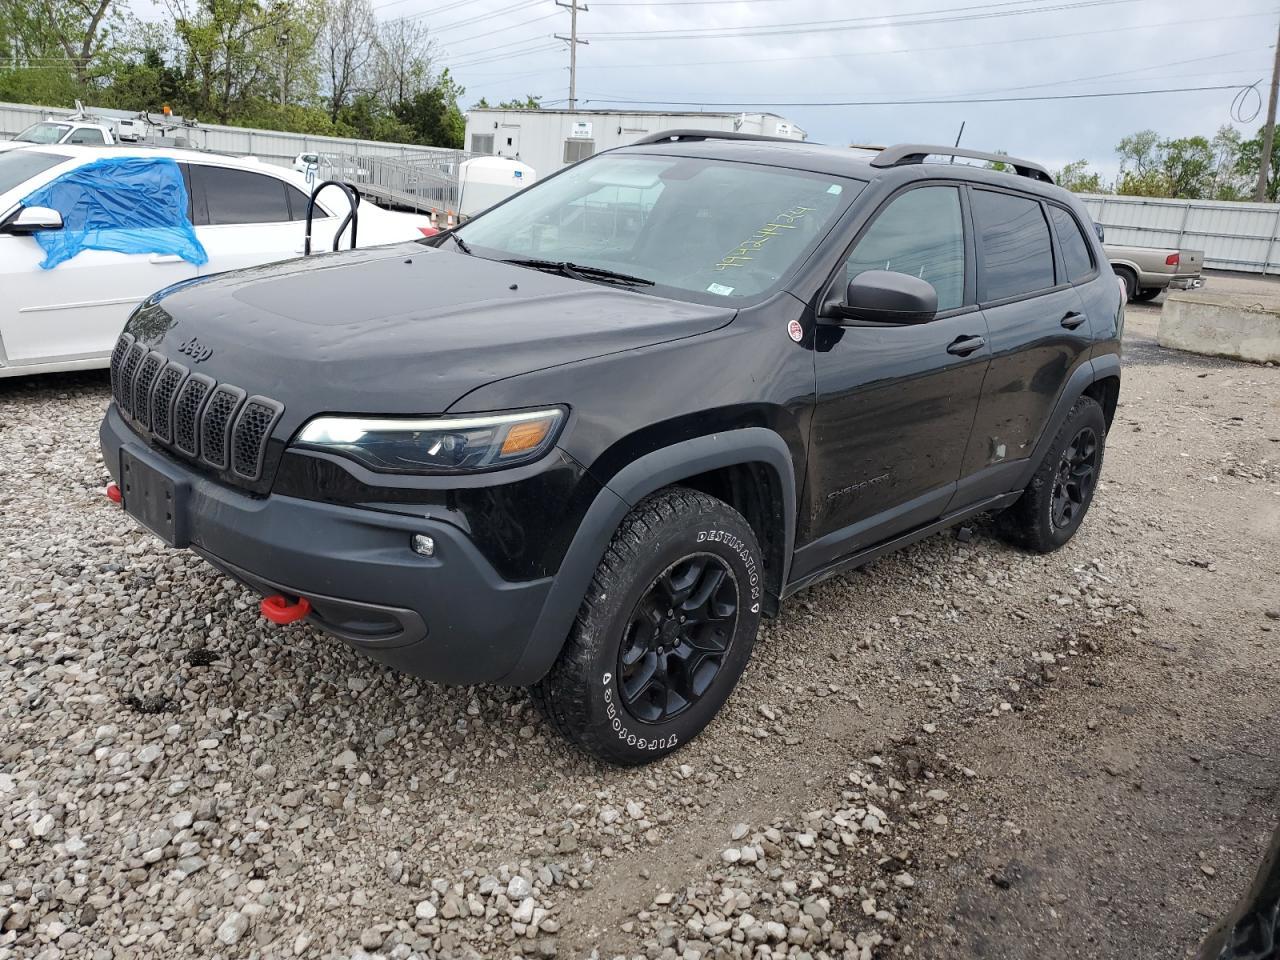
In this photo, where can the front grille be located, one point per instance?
(202, 420)
(162, 395)
(186, 413)
(215, 424)
(249, 438)
(142, 382)
(127, 371)
(117, 363)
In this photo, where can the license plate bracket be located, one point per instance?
(154, 498)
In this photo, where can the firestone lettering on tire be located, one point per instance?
(623, 733)
(741, 549)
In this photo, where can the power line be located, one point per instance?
(514, 26)
(901, 103)
(958, 46)
(854, 23)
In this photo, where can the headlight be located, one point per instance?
(464, 444)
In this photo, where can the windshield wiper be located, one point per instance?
(580, 271)
(462, 244)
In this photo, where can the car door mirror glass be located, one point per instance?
(883, 296)
(30, 220)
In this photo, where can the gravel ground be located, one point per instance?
(961, 750)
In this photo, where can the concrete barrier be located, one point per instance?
(1240, 326)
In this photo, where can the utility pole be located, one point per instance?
(573, 42)
(1269, 136)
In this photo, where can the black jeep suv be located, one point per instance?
(588, 439)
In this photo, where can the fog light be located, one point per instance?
(424, 545)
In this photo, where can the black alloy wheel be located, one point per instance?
(1074, 479)
(677, 638)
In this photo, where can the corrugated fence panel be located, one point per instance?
(1233, 236)
(271, 145)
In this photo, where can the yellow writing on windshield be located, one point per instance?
(783, 221)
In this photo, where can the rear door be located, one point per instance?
(245, 218)
(1038, 328)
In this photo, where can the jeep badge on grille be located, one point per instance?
(196, 350)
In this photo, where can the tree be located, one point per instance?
(346, 50)
(1138, 151)
(223, 44)
(1078, 178)
(1227, 182)
(433, 114)
(1247, 161)
(76, 32)
(403, 55)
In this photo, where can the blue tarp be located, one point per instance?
(124, 204)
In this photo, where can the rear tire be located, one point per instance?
(664, 633)
(1147, 294)
(1055, 502)
(1130, 282)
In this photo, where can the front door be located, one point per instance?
(76, 310)
(895, 403)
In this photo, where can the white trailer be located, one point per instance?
(548, 140)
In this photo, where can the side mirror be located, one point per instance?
(1102, 234)
(882, 296)
(30, 220)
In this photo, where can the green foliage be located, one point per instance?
(434, 116)
(1078, 178)
(530, 102)
(1189, 168)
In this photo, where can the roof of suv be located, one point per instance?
(855, 162)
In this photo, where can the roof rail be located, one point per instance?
(903, 153)
(673, 136)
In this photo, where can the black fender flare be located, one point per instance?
(629, 486)
(1083, 377)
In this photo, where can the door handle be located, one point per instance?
(1073, 320)
(165, 258)
(963, 346)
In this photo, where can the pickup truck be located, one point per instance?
(1147, 271)
(80, 132)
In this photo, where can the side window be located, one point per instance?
(1075, 249)
(87, 136)
(920, 233)
(298, 204)
(239, 196)
(1017, 255)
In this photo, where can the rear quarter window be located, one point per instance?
(1017, 254)
(1075, 249)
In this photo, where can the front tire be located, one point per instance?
(664, 633)
(1054, 504)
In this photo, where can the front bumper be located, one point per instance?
(449, 617)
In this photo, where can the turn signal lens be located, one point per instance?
(1173, 259)
(526, 436)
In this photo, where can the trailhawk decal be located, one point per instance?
(615, 721)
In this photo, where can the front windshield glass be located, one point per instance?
(43, 133)
(704, 230)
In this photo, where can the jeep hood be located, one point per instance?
(405, 329)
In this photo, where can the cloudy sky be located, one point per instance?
(753, 54)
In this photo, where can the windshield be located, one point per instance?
(705, 230)
(17, 166)
(43, 133)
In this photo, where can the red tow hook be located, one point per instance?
(113, 492)
(278, 609)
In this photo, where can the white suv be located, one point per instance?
(243, 212)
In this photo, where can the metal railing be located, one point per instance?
(423, 183)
